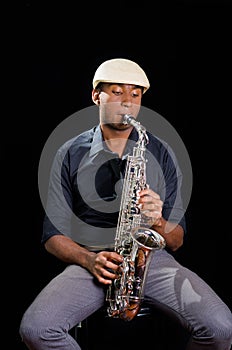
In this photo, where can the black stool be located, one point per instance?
(99, 331)
(150, 329)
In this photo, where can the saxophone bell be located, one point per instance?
(125, 295)
(148, 238)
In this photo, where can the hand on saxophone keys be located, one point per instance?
(151, 205)
(104, 265)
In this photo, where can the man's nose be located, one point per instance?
(126, 102)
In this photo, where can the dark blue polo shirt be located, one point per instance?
(86, 182)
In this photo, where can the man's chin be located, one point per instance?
(118, 126)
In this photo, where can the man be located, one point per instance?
(80, 224)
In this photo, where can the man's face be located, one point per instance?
(116, 100)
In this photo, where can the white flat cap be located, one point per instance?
(123, 71)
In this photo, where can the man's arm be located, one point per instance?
(98, 264)
(172, 233)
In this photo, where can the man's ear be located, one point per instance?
(96, 97)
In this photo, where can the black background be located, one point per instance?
(51, 53)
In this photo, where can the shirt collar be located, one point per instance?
(97, 143)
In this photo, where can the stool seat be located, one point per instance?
(100, 331)
(149, 329)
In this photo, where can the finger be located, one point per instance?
(149, 192)
(149, 199)
(106, 274)
(114, 257)
(112, 266)
(157, 222)
(153, 214)
(151, 206)
(104, 281)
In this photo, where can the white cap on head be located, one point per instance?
(123, 71)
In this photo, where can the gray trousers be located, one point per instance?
(73, 295)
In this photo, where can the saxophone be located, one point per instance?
(134, 240)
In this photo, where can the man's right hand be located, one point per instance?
(104, 265)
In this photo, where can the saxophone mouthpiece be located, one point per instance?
(128, 119)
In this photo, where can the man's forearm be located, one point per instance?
(172, 233)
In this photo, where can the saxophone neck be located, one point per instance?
(143, 138)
